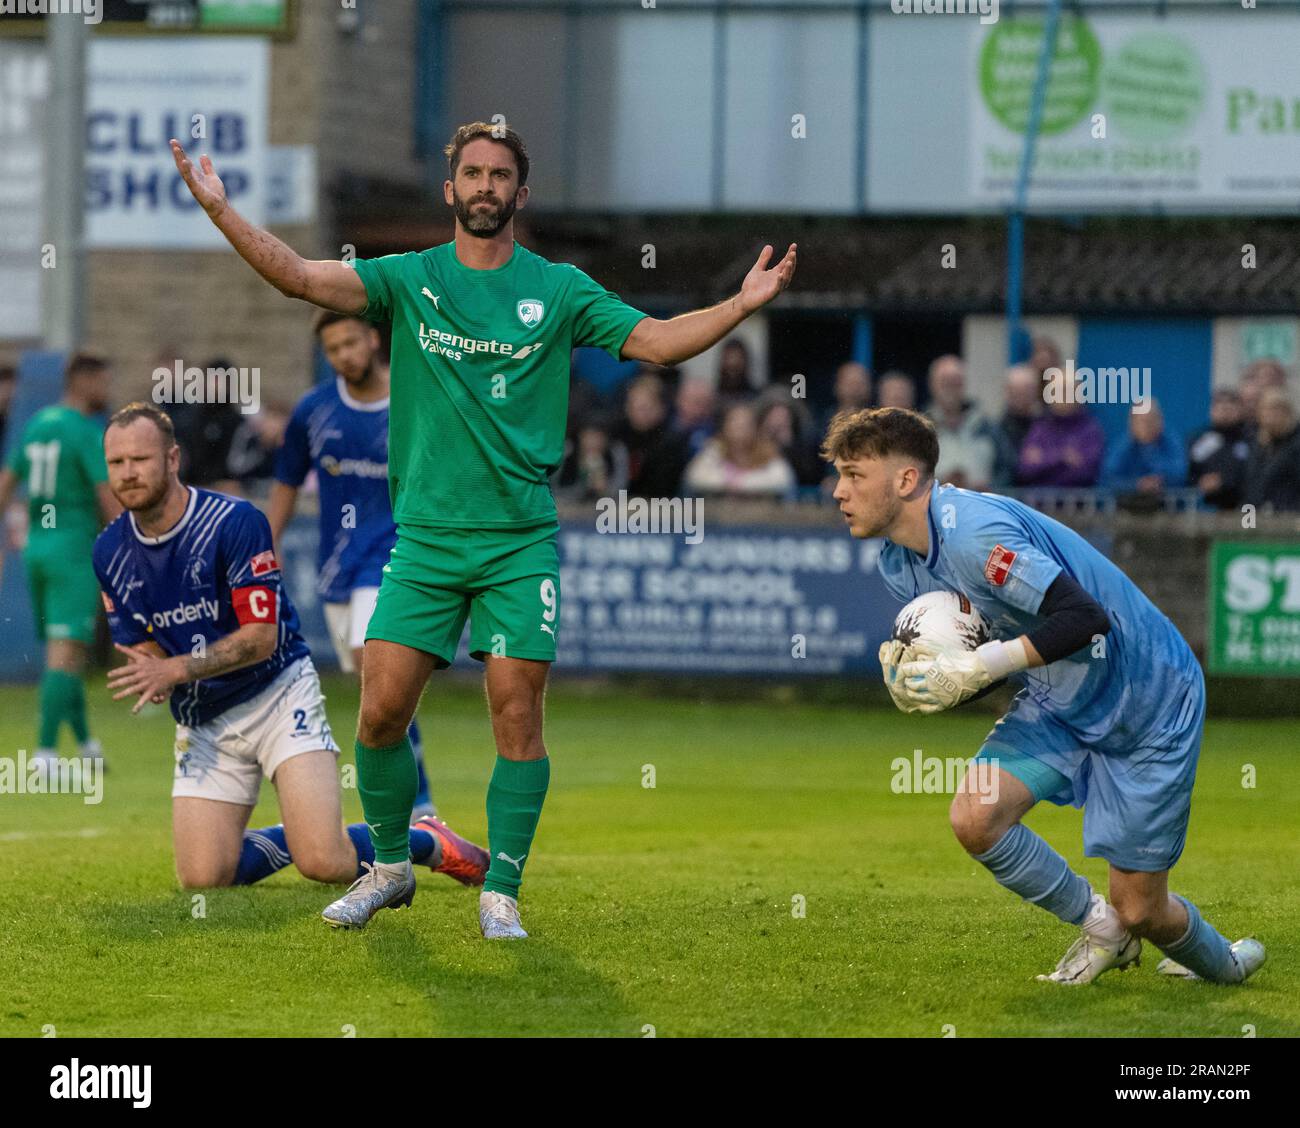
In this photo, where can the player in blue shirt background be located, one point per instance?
(196, 603)
(340, 430)
(1109, 713)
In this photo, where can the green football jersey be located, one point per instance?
(60, 459)
(480, 379)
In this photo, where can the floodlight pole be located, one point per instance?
(1017, 342)
(63, 314)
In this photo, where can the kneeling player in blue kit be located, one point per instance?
(196, 603)
(1109, 713)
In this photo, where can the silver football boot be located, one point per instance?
(498, 917)
(378, 888)
(1103, 943)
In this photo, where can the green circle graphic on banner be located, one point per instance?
(1153, 87)
(1009, 68)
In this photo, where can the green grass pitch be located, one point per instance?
(670, 907)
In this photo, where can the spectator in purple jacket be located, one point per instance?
(1064, 447)
(1149, 460)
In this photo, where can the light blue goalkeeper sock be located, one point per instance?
(1203, 950)
(1027, 865)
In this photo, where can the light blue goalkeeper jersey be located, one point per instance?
(1139, 687)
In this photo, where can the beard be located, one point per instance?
(355, 381)
(482, 224)
(151, 498)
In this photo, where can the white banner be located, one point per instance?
(141, 93)
(24, 83)
(1199, 110)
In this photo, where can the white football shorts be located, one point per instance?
(347, 624)
(227, 758)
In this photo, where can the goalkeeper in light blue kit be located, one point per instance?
(1108, 718)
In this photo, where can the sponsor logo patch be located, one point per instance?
(998, 566)
(264, 562)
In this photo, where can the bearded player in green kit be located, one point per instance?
(482, 335)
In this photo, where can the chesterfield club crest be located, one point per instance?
(530, 311)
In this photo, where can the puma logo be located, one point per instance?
(507, 858)
(432, 297)
(547, 630)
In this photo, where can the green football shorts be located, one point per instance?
(505, 581)
(65, 595)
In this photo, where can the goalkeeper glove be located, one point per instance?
(893, 654)
(933, 684)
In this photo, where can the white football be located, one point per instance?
(941, 621)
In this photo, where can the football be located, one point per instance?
(941, 621)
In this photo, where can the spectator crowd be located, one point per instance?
(665, 434)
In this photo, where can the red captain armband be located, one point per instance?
(255, 605)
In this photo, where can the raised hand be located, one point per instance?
(761, 285)
(203, 182)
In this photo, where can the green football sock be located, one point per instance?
(387, 780)
(56, 701)
(514, 804)
(76, 713)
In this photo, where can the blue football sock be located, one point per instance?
(422, 845)
(1027, 865)
(264, 852)
(1203, 949)
(417, 749)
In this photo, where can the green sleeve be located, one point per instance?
(379, 276)
(600, 318)
(91, 453)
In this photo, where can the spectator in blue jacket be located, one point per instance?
(1150, 460)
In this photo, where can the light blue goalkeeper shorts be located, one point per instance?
(1136, 800)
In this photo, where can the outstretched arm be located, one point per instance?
(679, 338)
(323, 282)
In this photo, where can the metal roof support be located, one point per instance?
(1018, 345)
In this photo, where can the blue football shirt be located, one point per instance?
(213, 571)
(346, 442)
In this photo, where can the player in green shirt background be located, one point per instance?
(59, 461)
(483, 331)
